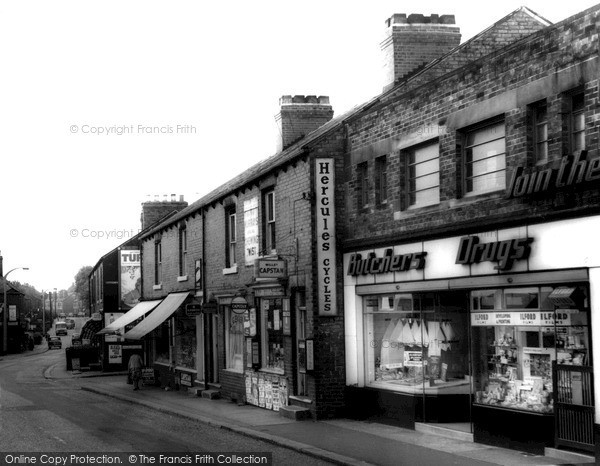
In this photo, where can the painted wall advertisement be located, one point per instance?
(326, 263)
(131, 278)
(251, 230)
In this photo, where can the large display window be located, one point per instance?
(518, 334)
(417, 342)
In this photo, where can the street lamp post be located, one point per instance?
(5, 311)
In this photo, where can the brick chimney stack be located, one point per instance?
(300, 115)
(412, 42)
(153, 211)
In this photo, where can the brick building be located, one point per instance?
(240, 314)
(115, 290)
(459, 282)
(471, 202)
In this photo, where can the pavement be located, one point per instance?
(340, 441)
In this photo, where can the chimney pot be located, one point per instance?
(311, 99)
(181, 198)
(298, 99)
(173, 197)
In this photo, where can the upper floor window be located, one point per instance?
(577, 123)
(381, 190)
(182, 251)
(157, 263)
(362, 184)
(540, 131)
(423, 170)
(231, 238)
(269, 241)
(485, 159)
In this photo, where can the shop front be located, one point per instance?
(258, 346)
(171, 339)
(488, 333)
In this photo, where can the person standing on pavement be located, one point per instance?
(135, 370)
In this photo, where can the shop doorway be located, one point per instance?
(447, 392)
(211, 368)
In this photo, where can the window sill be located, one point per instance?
(182, 278)
(230, 270)
(234, 371)
(157, 287)
(485, 193)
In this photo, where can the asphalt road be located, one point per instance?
(54, 415)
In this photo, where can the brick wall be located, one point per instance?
(504, 32)
(153, 211)
(414, 41)
(169, 239)
(545, 65)
(299, 116)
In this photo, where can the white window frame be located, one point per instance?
(468, 162)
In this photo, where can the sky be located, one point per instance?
(106, 104)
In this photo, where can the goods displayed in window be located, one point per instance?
(518, 334)
(417, 342)
(273, 353)
(184, 351)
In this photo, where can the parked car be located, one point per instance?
(70, 324)
(54, 343)
(61, 328)
(75, 338)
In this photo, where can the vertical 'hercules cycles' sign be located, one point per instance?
(325, 215)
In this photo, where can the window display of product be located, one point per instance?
(416, 342)
(518, 334)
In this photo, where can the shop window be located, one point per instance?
(516, 344)
(423, 170)
(577, 122)
(417, 342)
(362, 184)
(381, 189)
(182, 251)
(269, 238)
(157, 263)
(184, 341)
(231, 238)
(539, 113)
(234, 340)
(162, 342)
(485, 159)
(273, 351)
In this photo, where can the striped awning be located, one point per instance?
(139, 310)
(162, 312)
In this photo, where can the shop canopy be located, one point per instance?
(133, 314)
(162, 312)
(90, 329)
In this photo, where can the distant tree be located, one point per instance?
(82, 286)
